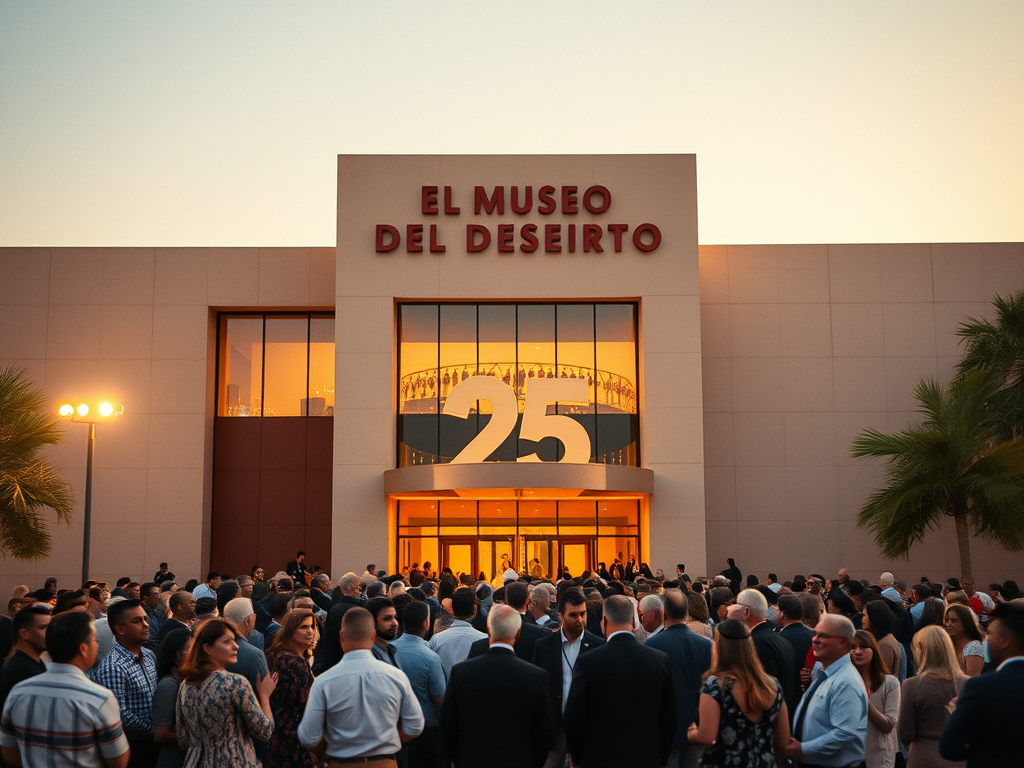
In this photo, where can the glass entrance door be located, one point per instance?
(460, 554)
(545, 556)
(495, 557)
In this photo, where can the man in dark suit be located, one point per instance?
(329, 652)
(985, 728)
(794, 631)
(497, 679)
(183, 613)
(690, 657)
(557, 655)
(318, 590)
(776, 654)
(516, 596)
(633, 675)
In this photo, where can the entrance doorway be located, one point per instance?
(460, 554)
(493, 555)
(577, 553)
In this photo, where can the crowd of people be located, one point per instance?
(425, 669)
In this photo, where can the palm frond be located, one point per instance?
(29, 483)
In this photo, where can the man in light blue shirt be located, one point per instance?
(426, 675)
(209, 587)
(454, 643)
(831, 723)
(888, 590)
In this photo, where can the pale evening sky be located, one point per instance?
(218, 123)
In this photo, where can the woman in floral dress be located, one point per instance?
(743, 716)
(217, 713)
(289, 657)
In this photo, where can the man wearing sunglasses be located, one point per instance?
(830, 726)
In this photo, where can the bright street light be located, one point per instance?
(104, 412)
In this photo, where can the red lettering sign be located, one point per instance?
(395, 238)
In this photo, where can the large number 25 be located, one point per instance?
(536, 423)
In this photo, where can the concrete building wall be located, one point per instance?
(136, 325)
(801, 347)
(804, 346)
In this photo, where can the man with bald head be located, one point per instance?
(350, 712)
(628, 674)
(831, 724)
(467, 715)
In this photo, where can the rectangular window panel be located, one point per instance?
(576, 360)
(321, 367)
(577, 518)
(417, 384)
(285, 366)
(417, 517)
(414, 552)
(537, 517)
(241, 366)
(498, 515)
(616, 385)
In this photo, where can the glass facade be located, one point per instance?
(442, 345)
(538, 537)
(275, 364)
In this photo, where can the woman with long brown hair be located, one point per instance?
(965, 633)
(217, 713)
(925, 697)
(289, 656)
(742, 714)
(883, 700)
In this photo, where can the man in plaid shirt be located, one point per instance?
(129, 671)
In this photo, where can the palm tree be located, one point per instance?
(952, 464)
(28, 482)
(999, 346)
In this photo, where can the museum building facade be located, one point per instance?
(520, 361)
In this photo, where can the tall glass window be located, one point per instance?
(279, 364)
(442, 345)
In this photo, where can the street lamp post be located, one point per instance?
(81, 413)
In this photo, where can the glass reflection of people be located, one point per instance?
(536, 569)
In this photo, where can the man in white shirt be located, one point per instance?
(453, 644)
(349, 712)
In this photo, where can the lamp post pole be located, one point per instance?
(87, 517)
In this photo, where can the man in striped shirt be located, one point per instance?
(60, 717)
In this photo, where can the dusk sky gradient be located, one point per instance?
(219, 123)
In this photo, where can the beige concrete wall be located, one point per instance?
(645, 188)
(136, 324)
(804, 346)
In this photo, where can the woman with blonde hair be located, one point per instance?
(925, 698)
(742, 715)
(965, 633)
(217, 713)
(883, 700)
(289, 656)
